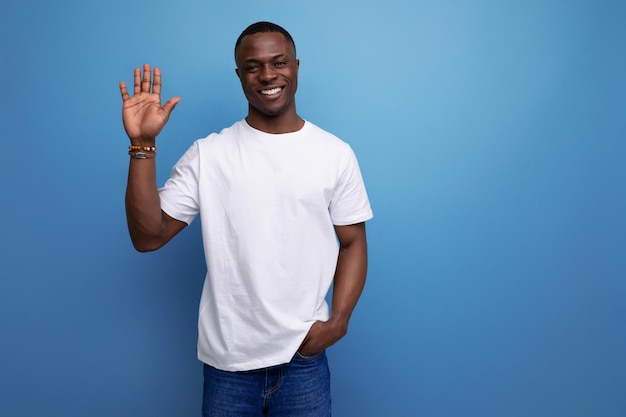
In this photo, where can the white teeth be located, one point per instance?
(272, 91)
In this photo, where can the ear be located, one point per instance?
(238, 74)
(297, 65)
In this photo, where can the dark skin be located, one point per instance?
(266, 62)
(268, 71)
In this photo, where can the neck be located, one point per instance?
(283, 123)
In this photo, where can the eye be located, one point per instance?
(280, 63)
(252, 68)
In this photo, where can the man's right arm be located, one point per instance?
(150, 227)
(144, 118)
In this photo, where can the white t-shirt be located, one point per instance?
(267, 204)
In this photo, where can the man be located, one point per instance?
(275, 194)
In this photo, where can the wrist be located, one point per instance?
(339, 323)
(141, 141)
(142, 152)
(142, 148)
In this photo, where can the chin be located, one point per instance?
(271, 112)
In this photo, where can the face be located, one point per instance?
(268, 71)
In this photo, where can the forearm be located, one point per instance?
(347, 288)
(143, 207)
(349, 278)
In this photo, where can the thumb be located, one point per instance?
(170, 105)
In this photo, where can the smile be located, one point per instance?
(272, 91)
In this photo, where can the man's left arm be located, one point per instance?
(347, 288)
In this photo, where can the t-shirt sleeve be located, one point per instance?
(350, 204)
(179, 195)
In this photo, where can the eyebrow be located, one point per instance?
(273, 58)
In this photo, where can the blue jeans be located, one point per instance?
(300, 388)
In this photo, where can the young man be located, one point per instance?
(275, 193)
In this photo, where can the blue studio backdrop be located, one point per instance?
(491, 136)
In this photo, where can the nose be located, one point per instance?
(267, 73)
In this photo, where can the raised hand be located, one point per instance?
(142, 114)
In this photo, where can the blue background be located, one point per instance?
(491, 138)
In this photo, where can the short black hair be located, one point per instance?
(263, 27)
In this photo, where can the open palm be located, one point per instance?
(142, 114)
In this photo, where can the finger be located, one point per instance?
(137, 81)
(145, 82)
(170, 105)
(124, 91)
(156, 84)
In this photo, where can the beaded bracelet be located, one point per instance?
(142, 148)
(142, 155)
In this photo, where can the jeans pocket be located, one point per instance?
(299, 355)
